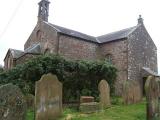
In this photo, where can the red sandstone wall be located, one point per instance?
(49, 39)
(118, 50)
(73, 48)
(9, 61)
(32, 38)
(44, 34)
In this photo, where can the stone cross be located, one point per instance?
(152, 90)
(48, 98)
(12, 103)
(104, 90)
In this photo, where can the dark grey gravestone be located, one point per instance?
(12, 103)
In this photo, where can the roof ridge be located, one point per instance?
(117, 35)
(117, 31)
(134, 28)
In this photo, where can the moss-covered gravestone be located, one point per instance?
(48, 98)
(12, 103)
(104, 90)
(152, 96)
(131, 92)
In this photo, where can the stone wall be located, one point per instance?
(9, 61)
(44, 34)
(33, 37)
(74, 48)
(118, 52)
(24, 58)
(142, 52)
(49, 39)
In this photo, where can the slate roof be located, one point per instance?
(148, 70)
(100, 39)
(35, 48)
(73, 33)
(16, 53)
(116, 35)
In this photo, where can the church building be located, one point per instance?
(131, 50)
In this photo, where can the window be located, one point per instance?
(108, 58)
(39, 34)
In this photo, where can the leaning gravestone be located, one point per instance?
(152, 96)
(12, 103)
(48, 98)
(104, 90)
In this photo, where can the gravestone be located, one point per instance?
(152, 96)
(12, 103)
(131, 92)
(104, 90)
(48, 98)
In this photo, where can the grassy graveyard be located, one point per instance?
(116, 112)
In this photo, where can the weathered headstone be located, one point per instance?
(131, 92)
(104, 90)
(152, 96)
(48, 98)
(12, 103)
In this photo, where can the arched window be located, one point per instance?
(108, 58)
(39, 34)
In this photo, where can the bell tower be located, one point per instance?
(43, 12)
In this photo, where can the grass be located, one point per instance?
(30, 115)
(116, 112)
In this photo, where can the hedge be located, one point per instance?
(78, 77)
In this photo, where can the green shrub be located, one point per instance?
(78, 77)
(1, 70)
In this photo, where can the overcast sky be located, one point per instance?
(93, 17)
